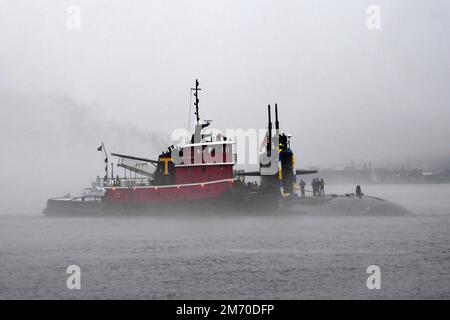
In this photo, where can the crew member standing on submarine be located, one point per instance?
(302, 187)
(314, 186)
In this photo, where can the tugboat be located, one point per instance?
(197, 176)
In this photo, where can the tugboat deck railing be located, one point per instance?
(131, 184)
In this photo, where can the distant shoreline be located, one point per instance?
(386, 183)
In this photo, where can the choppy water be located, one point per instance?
(292, 257)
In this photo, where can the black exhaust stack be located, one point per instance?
(277, 124)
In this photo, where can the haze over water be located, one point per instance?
(245, 256)
(347, 94)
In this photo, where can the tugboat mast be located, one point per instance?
(196, 89)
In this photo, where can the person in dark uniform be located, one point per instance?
(322, 187)
(313, 185)
(302, 187)
(358, 191)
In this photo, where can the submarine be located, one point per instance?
(199, 176)
(291, 201)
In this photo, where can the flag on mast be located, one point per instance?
(264, 142)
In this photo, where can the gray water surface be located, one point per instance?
(249, 257)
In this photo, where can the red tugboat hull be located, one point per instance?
(167, 194)
(214, 198)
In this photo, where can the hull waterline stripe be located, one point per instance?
(174, 185)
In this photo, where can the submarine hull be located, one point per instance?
(335, 205)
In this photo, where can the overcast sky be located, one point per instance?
(345, 92)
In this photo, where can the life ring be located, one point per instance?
(117, 195)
